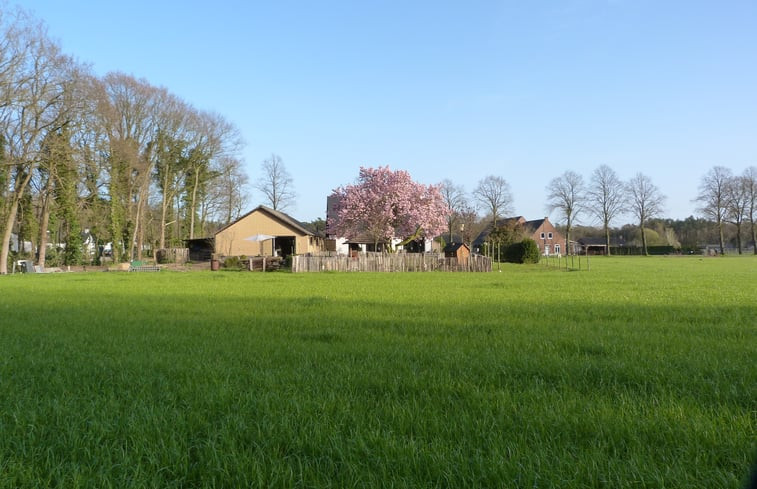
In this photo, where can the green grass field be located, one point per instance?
(639, 373)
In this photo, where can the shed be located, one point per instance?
(457, 250)
(200, 249)
(593, 246)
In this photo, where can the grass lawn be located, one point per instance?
(639, 373)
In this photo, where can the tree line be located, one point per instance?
(133, 163)
(726, 203)
(142, 169)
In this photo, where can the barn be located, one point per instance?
(265, 232)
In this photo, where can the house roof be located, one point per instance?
(528, 226)
(534, 225)
(592, 241)
(454, 247)
(278, 215)
(600, 241)
(363, 239)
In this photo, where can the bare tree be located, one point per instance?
(713, 198)
(737, 206)
(32, 74)
(606, 198)
(57, 181)
(750, 184)
(566, 193)
(216, 138)
(470, 226)
(127, 116)
(229, 191)
(276, 183)
(454, 198)
(75, 149)
(645, 201)
(493, 194)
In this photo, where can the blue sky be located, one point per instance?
(443, 89)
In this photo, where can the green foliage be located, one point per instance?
(526, 251)
(317, 227)
(507, 233)
(54, 257)
(531, 253)
(236, 263)
(73, 251)
(652, 250)
(231, 262)
(28, 222)
(66, 195)
(613, 379)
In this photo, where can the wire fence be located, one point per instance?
(567, 262)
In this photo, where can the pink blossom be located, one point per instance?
(386, 204)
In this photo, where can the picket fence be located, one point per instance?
(390, 262)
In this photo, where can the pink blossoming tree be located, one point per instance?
(386, 204)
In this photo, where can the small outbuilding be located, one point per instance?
(457, 250)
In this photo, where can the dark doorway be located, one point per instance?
(285, 246)
(200, 249)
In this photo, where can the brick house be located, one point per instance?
(549, 240)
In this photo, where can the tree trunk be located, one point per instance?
(11, 219)
(138, 224)
(721, 237)
(178, 224)
(643, 240)
(45, 220)
(607, 237)
(164, 205)
(167, 198)
(140, 241)
(193, 205)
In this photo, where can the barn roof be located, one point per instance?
(278, 215)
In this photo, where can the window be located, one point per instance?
(557, 248)
(549, 236)
(542, 236)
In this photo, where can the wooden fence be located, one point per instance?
(172, 255)
(390, 262)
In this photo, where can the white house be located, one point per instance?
(16, 245)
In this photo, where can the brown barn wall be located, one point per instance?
(231, 241)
